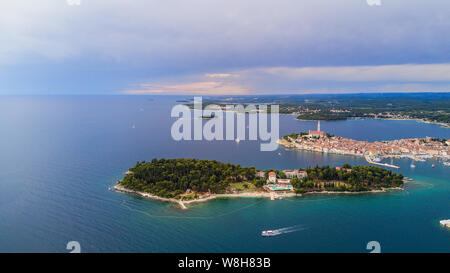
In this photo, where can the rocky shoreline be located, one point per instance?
(261, 194)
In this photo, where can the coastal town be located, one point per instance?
(418, 149)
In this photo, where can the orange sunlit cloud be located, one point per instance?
(191, 88)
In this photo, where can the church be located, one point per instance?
(317, 133)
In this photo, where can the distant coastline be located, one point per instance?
(426, 108)
(442, 124)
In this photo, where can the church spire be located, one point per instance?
(318, 125)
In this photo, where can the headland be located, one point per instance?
(417, 149)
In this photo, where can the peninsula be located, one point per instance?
(185, 181)
(418, 149)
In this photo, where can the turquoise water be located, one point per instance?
(59, 155)
(275, 188)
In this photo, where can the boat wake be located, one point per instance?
(291, 229)
(285, 230)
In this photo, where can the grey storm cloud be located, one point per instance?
(176, 37)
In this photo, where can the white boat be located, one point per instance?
(376, 159)
(270, 233)
(237, 140)
(445, 223)
(447, 163)
(412, 165)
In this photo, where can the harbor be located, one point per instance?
(369, 160)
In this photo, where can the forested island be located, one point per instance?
(191, 180)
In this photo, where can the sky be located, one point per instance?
(223, 47)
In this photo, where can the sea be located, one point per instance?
(59, 155)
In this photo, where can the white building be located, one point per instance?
(272, 177)
(260, 174)
(302, 174)
(284, 181)
(289, 173)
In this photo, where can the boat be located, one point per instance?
(237, 140)
(376, 159)
(445, 223)
(269, 233)
(447, 163)
(432, 166)
(412, 165)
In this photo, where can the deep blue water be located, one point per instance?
(59, 155)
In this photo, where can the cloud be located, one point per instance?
(392, 73)
(103, 46)
(204, 34)
(272, 80)
(191, 88)
(218, 75)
